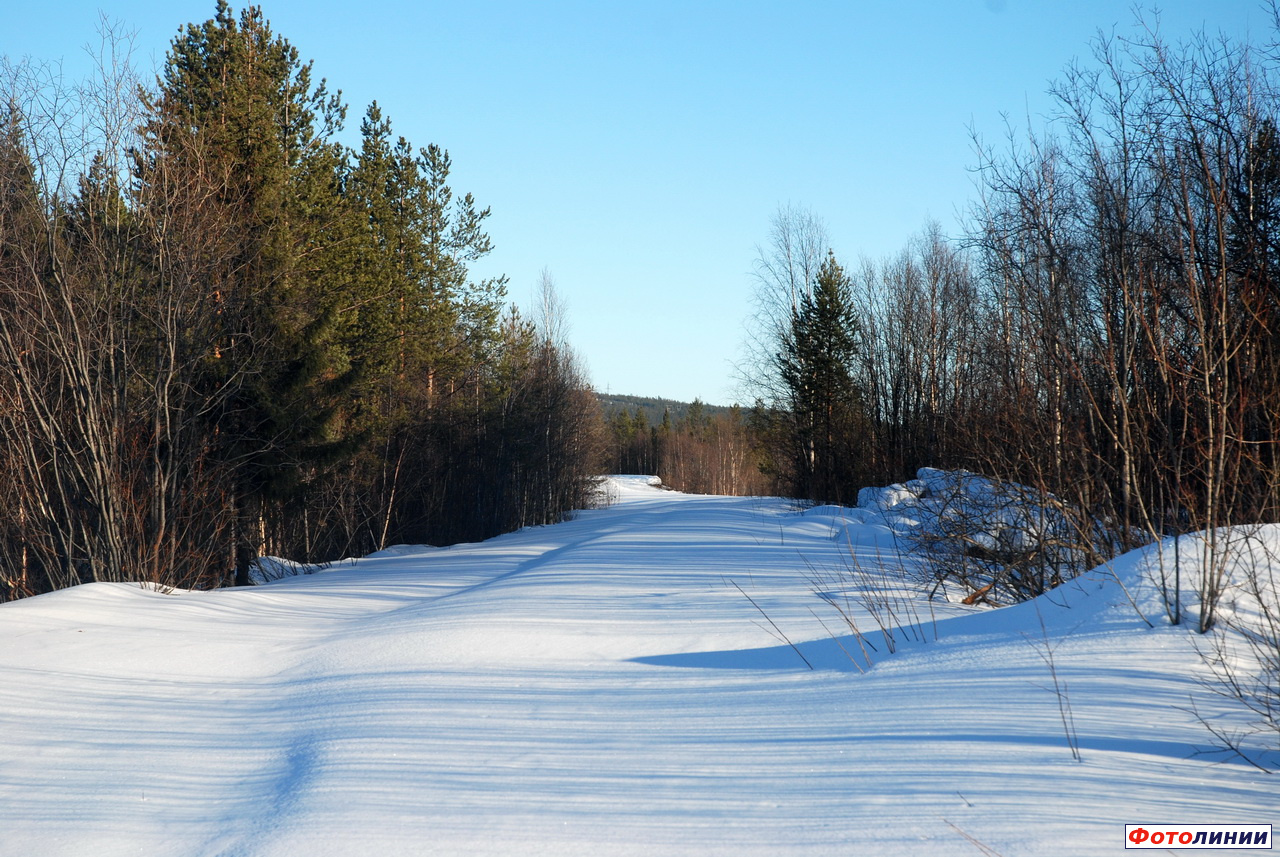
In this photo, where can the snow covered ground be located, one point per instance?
(603, 686)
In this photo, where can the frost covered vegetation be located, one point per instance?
(223, 334)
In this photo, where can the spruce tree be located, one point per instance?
(815, 366)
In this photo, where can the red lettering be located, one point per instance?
(1197, 835)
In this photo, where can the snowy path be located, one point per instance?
(595, 687)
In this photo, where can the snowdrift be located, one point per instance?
(989, 541)
(627, 682)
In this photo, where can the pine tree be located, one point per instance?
(422, 313)
(237, 109)
(423, 326)
(22, 219)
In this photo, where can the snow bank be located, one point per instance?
(996, 514)
(601, 686)
(998, 540)
(268, 568)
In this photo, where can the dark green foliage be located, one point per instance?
(824, 413)
(634, 444)
(703, 449)
(251, 340)
(263, 130)
(652, 407)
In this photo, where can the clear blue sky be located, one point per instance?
(638, 150)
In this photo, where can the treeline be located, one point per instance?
(223, 334)
(863, 376)
(1107, 332)
(705, 451)
(654, 408)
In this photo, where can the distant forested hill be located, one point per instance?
(652, 407)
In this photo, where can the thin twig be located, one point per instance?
(1059, 688)
(981, 846)
(771, 622)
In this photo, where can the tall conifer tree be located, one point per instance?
(237, 108)
(816, 367)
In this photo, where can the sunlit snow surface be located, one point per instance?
(601, 687)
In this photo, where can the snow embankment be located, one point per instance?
(627, 682)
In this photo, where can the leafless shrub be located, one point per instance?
(1044, 647)
(882, 597)
(996, 542)
(1243, 652)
